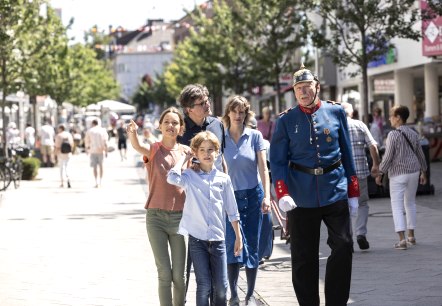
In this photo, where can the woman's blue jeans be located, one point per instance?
(210, 266)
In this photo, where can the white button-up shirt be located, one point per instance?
(209, 198)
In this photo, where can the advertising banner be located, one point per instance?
(432, 34)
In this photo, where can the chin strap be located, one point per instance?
(281, 189)
(316, 93)
(353, 187)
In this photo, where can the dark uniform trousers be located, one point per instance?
(304, 227)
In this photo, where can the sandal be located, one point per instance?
(401, 245)
(411, 240)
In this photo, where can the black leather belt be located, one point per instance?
(315, 171)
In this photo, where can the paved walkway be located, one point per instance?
(88, 246)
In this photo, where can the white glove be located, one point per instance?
(353, 204)
(286, 203)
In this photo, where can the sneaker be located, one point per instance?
(69, 184)
(251, 301)
(411, 241)
(401, 245)
(362, 242)
(234, 301)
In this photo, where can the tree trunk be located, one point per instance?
(277, 109)
(365, 93)
(4, 94)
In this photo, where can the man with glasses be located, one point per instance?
(194, 99)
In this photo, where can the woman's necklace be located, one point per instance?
(310, 128)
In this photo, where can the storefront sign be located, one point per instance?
(384, 86)
(432, 34)
(389, 58)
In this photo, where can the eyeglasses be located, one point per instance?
(207, 101)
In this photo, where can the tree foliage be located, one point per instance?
(91, 80)
(45, 69)
(360, 31)
(150, 93)
(245, 43)
(276, 33)
(17, 19)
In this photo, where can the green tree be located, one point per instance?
(276, 32)
(243, 44)
(361, 31)
(184, 68)
(90, 79)
(155, 92)
(435, 7)
(45, 72)
(17, 19)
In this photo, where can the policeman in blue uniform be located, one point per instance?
(315, 180)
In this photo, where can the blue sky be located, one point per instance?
(129, 14)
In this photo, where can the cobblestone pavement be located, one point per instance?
(88, 246)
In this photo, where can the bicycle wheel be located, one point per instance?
(18, 171)
(5, 177)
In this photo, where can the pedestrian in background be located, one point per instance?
(164, 205)
(377, 126)
(47, 136)
(77, 140)
(122, 140)
(194, 99)
(209, 197)
(314, 176)
(12, 134)
(64, 142)
(361, 138)
(404, 162)
(266, 125)
(96, 146)
(30, 136)
(245, 155)
(148, 136)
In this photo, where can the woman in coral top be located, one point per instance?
(165, 205)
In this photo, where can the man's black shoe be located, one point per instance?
(362, 242)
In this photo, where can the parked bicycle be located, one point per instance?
(11, 168)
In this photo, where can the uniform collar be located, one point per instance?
(310, 110)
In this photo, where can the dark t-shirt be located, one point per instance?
(121, 132)
(211, 124)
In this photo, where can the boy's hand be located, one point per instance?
(188, 155)
(238, 247)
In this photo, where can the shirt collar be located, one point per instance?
(246, 131)
(190, 123)
(201, 172)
